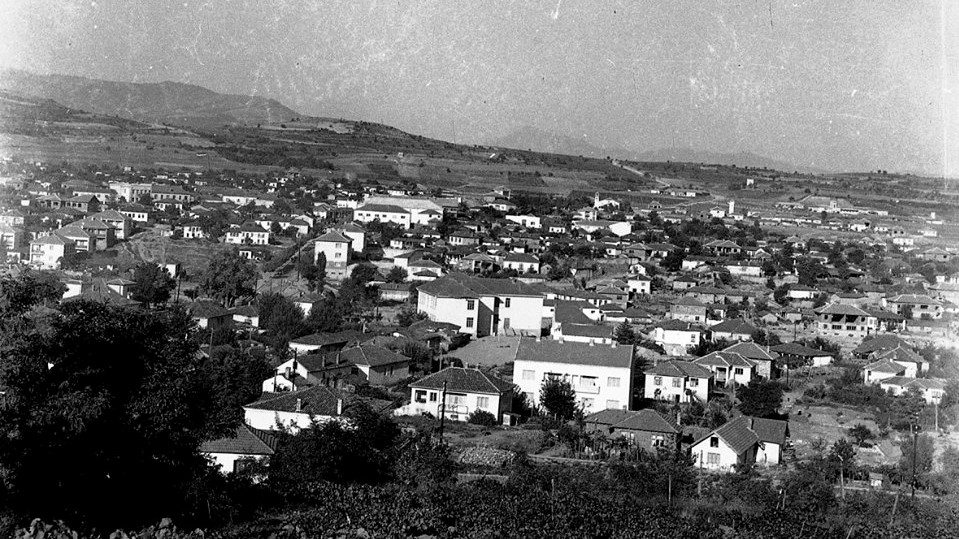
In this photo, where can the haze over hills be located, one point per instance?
(165, 102)
(540, 140)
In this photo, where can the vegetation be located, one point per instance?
(558, 398)
(229, 277)
(152, 284)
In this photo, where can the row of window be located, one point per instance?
(575, 380)
(678, 382)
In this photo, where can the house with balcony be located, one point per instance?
(845, 321)
(457, 392)
(601, 375)
(47, 252)
(915, 306)
(677, 381)
(728, 368)
(338, 249)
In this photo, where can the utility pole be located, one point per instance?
(915, 452)
(443, 413)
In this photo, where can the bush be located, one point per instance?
(482, 417)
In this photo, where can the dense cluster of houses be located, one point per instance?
(476, 266)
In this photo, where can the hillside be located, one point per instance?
(165, 102)
(741, 159)
(539, 140)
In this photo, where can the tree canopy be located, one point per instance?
(229, 277)
(152, 284)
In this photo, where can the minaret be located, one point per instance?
(732, 207)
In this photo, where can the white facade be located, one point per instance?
(527, 221)
(639, 285)
(459, 405)
(713, 453)
(366, 214)
(676, 388)
(597, 388)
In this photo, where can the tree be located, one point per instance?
(922, 453)
(396, 275)
(92, 427)
(624, 334)
(408, 315)
(482, 417)
(281, 318)
(761, 398)
(558, 398)
(229, 277)
(151, 284)
(861, 434)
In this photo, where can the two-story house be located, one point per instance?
(845, 321)
(483, 306)
(46, 252)
(601, 375)
(457, 392)
(727, 367)
(337, 249)
(678, 381)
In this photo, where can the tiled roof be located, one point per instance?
(459, 379)
(334, 237)
(608, 417)
(245, 441)
(595, 331)
(737, 434)
(880, 342)
(574, 353)
(734, 326)
(648, 421)
(207, 309)
(770, 430)
(323, 339)
(679, 369)
(885, 365)
(841, 309)
(796, 349)
(723, 359)
(750, 350)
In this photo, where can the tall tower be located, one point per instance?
(732, 207)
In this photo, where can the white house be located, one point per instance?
(47, 252)
(727, 367)
(383, 213)
(677, 381)
(743, 440)
(234, 453)
(601, 375)
(931, 389)
(248, 233)
(639, 285)
(676, 336)
(482, 306)
(521, 262)
(457, 392)
(295, 409)
(526, 221)
(337, 249)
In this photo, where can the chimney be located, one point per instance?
(539, 338)
(592, 342)
(289, 373)
(299, 405)
(679, 419)
(339, 406)
(614, 343)
(323, 362)
(339, 359)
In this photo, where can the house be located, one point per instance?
(457, 392)
(882, 369)
(122, 225)
(193, 231)
(799, 354)
(246, 314)
(728, 368)
(732, 330)
(379, 365)
(247, 233)
(47, 252)
(932, 390)
(743, 440)
(688, 310)
(639, 285)
(394, 291)
(338, 249)
(210, 315)
(915, 306)
(102, 235)
(601, 375)
(645, 429)
(723, 248)
(323, 342)
(676, 336)
(235, 453)
(521, 262)
(761, 358)
(357, 234)
(845, 321)
(525, 221)
(483, 306)
(677, 381)
(301, 408)
(384, 213)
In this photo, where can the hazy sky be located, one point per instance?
(831, 84)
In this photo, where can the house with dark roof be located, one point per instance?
(210, 314)
(743, 440)
(678, 381)
(483, 306)
(676, 336)
(244, 447)
(799, 354)
(324, 342)
(727, 367)
(763, 360)
(601, 375)
(457, 392)
(645, 429)
(732, 330)
(838, 320)
(301, 408)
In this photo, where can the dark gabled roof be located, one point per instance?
(595, 331)
(678, 325)
(750, 350)
(899, 354)
(608, 417)
(885, 365)
(207, 309)
(245, 441)
(574, 353)
(323, 339)
(648, 421)
(316, 400)
(689, 302)
(334, 237)
(459, 285)
(841, 309)
(459, 379)
(679, 369)
(736, 433)
(739, 327)
(385, 208)
(770, 430)
(571, 312)
(885, 341)
(372, 355)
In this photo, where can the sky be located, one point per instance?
(850, 85)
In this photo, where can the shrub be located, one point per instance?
(482, 417)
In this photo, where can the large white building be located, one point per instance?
(483, 306)
(337, 249)
(601, 375)
(384, 213)
(48, 251)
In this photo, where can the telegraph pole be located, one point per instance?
(442, 413)
(915, 452)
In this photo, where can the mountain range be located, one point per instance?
(192, 106)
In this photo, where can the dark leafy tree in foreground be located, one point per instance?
(558, 398)
(229, 277)
(152, 284)
(761, 398)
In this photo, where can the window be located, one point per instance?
(694, 382)
(692, 338)
(433, 396)
(529, 375)
(470, 304)
(506, 323)
(677, 382)
(455, 399)
(507, 303)
(469, 322)
(712, 459)
(482, 402)
(738, 370)
(658, 380)
(420, 396)
(659, 440)
(714, 441)
(612, 404)
(612, 382)
(588, 381)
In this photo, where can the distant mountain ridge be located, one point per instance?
(532, 138)
(164, 102)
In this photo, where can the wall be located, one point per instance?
(594, 398)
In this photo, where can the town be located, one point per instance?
(506, 322)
